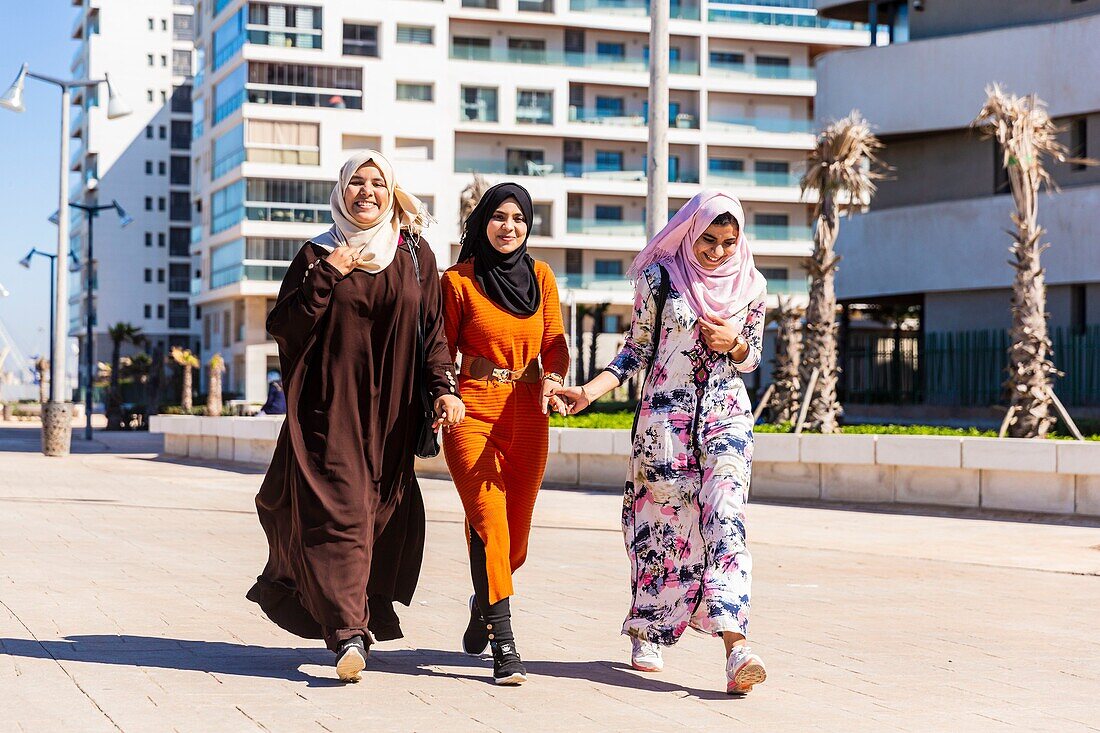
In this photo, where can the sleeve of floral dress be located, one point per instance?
(438, 365)
(554, 349)
(637, 350)
(303, 300)
(753, 332)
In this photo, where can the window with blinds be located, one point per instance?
(293, 143)
(418, 34)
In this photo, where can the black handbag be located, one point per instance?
(427, 442)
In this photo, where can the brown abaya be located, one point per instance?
(340, 505)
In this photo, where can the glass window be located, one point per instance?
(534, 107)
(270, 83)
(610, 107)
(527, 50)
(467, 47)
(479, 103)
(524, 162)
(294, 143)
(609, 267)
(228, 38)
(726, 58)
(229, 95)
(419, 34)
(360, 40)
(228, 152)
(609, 160)
(227, 207)
(279, 24)
(414, 92)
(540, 226)
(725, 165)
(608, 51)
(606, 212)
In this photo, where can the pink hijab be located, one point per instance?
(725, 291)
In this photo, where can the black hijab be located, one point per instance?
(508, 279)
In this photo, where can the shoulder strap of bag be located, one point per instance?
(421, 353)
(662, 295)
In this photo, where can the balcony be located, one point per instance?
(595, 282)
(227, 53)
(762, 124)
(548, 57)
(244, 272)
(77, 31)
(798, 286)
(284, 37)
(552, 170)
(78, 56)
(226, 163)
(778, 233)
(289, 213)
(76, 125)
(800, 15)
(593, 116)
(677, 10)
(605, 227)
(756, 71)
(77, 158)
(755, 179)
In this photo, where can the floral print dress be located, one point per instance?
(684, 503)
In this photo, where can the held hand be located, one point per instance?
(449, 411)
(550, 400)
(575, 397)
(345, 259)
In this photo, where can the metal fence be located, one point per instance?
(964, 368)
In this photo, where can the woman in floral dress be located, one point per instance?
(697, 327)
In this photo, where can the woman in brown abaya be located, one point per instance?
(340, 505)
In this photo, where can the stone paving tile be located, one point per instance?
(122, 580)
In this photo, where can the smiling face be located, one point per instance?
(366, 196)
(507, 227)
(716, 245)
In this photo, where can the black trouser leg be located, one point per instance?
(498, 616)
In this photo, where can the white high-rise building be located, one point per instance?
(550, 93)
(142, 272)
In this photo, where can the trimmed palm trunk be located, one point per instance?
(216, 368)
(1025, 135)
(187, 362)
(788, 355)
(119, 334)
(841, 170)
(42, 371)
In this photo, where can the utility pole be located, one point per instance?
(656, 206)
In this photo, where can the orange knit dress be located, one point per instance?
(497, 455)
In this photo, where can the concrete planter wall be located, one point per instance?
(1059, 477)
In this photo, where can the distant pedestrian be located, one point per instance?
(340, 505)
(502, 313)
(276, 400)
(697, 327)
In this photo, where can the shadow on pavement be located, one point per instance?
(216, 657)
(931, 510)
(417, 662)
(27, 438)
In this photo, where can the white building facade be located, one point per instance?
(142, 272)
(549, 93)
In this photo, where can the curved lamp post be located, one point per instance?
(26, 262)
(56, 416)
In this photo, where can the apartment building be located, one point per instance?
(551, 93)
(934, 239)
(142, 272)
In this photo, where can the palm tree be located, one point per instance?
(1026, 135)
(42, 371)
(469, 197)
(187, 361)
(216, 365)
(788, 354)
(119, 334)
(842, 171)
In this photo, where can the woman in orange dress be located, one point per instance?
(501, 312)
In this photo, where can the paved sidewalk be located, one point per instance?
(121, 608)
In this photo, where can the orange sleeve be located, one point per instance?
(452, 311)
(555, 350)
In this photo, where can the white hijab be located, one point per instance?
(403, 211)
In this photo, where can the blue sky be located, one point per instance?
(36, 33)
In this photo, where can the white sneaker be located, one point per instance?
(646, 656)
(743, 670)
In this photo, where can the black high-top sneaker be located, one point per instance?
(476, 638)
(351, 659)
(508, 668)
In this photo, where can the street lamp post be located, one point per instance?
(656, 206)
(57, 415)
(26, 262)
(92, 211)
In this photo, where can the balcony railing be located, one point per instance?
(549, 57)
(757, 71)
(554, 170)
(788, 287)
(763, 124)
(240, 272)
(605, 227)
(719, 14)
(595, 282)
(678, 10)
(778, 233)
(290, 213)
(284, 37)
(226, 163)
(592, 116)
(755, 178)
